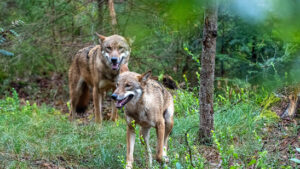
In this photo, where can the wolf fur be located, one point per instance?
(148, 104)
(97, 68)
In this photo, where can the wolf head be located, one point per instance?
(129, 88)
(115, 49)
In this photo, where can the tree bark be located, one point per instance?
(291, 110)
(206, 93)
(112, 14)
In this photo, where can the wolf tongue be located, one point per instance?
(121, 102)
(118, 104)
(115, 66)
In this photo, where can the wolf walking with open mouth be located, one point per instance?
(148, 104)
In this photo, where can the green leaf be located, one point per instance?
(235, 155)
(296, 160)
(298, 149)
(253, 161)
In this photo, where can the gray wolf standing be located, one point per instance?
(97, 67)
(148, 104)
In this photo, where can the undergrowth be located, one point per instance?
(30, 135)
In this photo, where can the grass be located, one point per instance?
(33, 136)
(36, 134)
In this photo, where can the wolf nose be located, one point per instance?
(114, 60)
(114, 96)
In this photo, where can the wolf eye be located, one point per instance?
(127, 85)
(108, 48)
(121, 48)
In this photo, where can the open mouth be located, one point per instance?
(115, 66)
(123, 102)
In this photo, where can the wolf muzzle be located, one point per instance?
(115, 63)
(121, 101)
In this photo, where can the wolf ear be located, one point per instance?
(130, 40)
(144, 77)
(101, 37)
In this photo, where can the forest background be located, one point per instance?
(257, 71)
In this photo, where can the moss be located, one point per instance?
(269, 115)
(269, 101)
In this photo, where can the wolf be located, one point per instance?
(149, 104)
(97, 68)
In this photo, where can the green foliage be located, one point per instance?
(43, 133)
(266, 104)
(239, 128)
(185, 103)
(40, 37)
(6, 34)
(269, 115)
(44, 35)
(269, 100)
(241, 116)
(236, 130)
(42, 44)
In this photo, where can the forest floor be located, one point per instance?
(278, 139)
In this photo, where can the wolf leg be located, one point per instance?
(168, 116)
(75, 92)
(130, 146)
(114, 114)
(160, 131)
(145, 134)
(97, 99)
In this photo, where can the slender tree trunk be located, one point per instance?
(207, 72)
(112, 14)
(100, 14)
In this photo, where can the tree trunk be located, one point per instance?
(207, 72)
(112, 14)
(290, 112)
